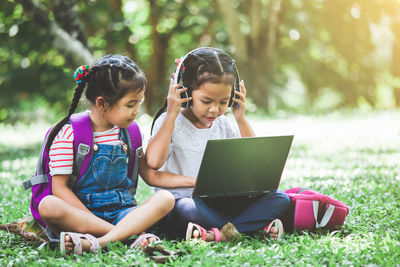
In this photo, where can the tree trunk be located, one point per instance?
(157, 75)
(156, 72)
(123, 38)
(66, 16)
(237, 38)
(256, 76)
(255, 52)
(68, 45)
(262, 57)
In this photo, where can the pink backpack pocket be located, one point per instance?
(310, 210)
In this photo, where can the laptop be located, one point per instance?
(242, 166)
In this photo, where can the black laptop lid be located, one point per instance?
(242, 166)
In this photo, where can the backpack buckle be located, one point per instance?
(139, 152)
(27, 184)
(83, 149)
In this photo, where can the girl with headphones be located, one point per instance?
(204, 86)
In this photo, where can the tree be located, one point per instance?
(255, 41)
(176, 28)
(81, 31)
(32, 71)
(65, 32)
(326, 43)
(161, 36)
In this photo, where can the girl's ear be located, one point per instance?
(101, 103)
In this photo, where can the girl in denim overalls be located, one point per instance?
(100, 208)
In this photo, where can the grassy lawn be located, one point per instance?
(352, 156)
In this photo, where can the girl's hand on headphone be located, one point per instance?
(239, 107)
(174, 100)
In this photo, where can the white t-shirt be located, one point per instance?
(62, 153)
(188, 144)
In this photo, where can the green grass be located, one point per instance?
(351, 156)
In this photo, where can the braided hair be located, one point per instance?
(204, 65)
(103, 79)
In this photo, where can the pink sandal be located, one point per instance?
(275, 223)
(76, 239)
(203, 232)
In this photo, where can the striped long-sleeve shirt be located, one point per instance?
(61, 150)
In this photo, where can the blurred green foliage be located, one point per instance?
(322, 54)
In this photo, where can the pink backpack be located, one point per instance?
(310, 210)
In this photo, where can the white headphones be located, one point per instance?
(179, 73)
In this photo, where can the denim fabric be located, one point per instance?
(248, 214)
(104, 187)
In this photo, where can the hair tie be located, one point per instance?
(80, 73)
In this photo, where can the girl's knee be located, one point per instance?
(284, 199)
(49, 207)
(166, 199)
(185, 205)
(283, 195)
(186, 209)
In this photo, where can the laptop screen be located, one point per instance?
(242, 166)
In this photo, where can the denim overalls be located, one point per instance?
(103, 189)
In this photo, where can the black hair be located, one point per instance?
(204, 65)
(104, 79)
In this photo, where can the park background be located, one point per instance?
(327, 71)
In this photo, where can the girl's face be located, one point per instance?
(124, 112)
(210, 101)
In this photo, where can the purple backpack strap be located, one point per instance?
(135, 139)
(83, 144)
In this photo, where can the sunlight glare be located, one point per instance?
(13, 30)
(130, 6)
(25, 62)
(134, 38)
(355, 12)
(294, 34)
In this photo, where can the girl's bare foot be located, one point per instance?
(147, 241)
(274, 230)
(69, 245)
(78, 243)
(273, 233)
(86, 245)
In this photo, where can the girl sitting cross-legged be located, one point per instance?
(210, 85)
(100, 208)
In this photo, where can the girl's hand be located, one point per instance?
(174, 100)
(239, 107)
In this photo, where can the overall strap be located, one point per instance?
(83, 144)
